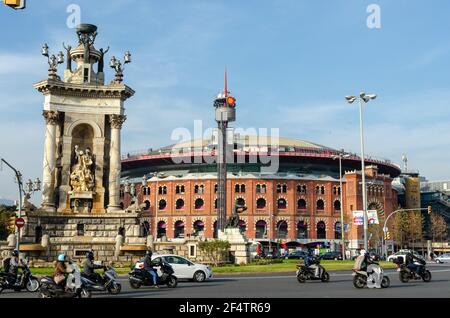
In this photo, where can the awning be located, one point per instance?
(199, 223)
(179, 224)
(162, 225)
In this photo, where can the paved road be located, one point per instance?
(286, 286)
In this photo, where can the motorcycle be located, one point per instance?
(74, 286)
(306, 273)
(362, 279)
(406, 274)
(26, 281)
(140, 277)
(108, 282)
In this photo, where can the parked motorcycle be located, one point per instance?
(305, 273)
(406, 274)
(108, 282)
(362, 279)
(140, 277)
(74, 286)
(25, 280)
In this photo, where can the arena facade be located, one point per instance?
(300, 202)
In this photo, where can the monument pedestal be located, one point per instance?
(240, 245)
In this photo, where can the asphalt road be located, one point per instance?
(285, 286)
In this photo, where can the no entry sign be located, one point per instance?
(20, 222)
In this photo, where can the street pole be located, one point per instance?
(363, 174)
(156, 208)
(19, 182)
(342, 208)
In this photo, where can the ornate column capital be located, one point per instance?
(51, 117)
(116, 121)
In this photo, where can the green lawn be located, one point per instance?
(286, 266)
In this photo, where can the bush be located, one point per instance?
(215, 250)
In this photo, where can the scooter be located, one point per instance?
(140, 277)
(406, 274)
(108, 282)
(305, 273)
(74, 286)
(25, 280)
(362, 279)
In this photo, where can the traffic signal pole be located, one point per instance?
(19, 181)
(385, 230)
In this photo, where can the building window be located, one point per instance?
(216, 188)
(263, 188)
(199, 189)
(321, 230)
(162, 204)
(237, 188)
(121, 231)
(281, 188)
(260, 203)
(240, 202)
(320, 190)
(198, 227)
(161, 229)
(258, 188)
(147, 205)
(301, 188)
(145, 190)
(179, 204)
(281, 203)
(337, 230)
(302, 230)
(301, 204)
(38, 234)
(80, 229)
(86, 75)
(242, 226)
(179, 229)
(215, 204)
(242, 188)
(282, 229)
(215, 229)
(182, 189)
(337, 205)
(320, 205)
(199, 204)
(162, 190)
(145, 229)
(177, 189)
(260, 227)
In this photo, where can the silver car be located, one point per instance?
(444, 258)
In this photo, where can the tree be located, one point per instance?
(438, 227)
(415, 227)
(216, 249)
(6, 213)
(400, 228)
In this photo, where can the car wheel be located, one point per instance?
(199, 276)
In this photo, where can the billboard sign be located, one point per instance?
(358, 217)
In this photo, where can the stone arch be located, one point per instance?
(377, 205)
(96, 128)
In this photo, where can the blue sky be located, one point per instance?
(290, 63)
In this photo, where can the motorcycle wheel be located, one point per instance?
(135, 285)
(84, 293)
(32, 285)
(426, 276)
(301, 278)
(404, 277)
(359, 282)
(172, 282)
(325, 277)
(385, 282)
(1, 288)
(114, 288)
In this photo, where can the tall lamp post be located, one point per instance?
(363, 97)
(340, 156)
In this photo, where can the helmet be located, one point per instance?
(149, 253)
(61, 257)
(362, 252)
(90, 255)
(15, 253)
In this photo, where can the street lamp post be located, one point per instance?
(340, 156)
(363, 97)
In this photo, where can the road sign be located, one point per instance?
(20, 222)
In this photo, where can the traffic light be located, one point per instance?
(430, 209)
(387, 236)
(231, 101)
(15, 4)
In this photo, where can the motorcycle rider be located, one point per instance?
(89, 268)
(362, 263)
(311, 262)
(60, 270)
(14, 264)
(410, 261)
(148, 266)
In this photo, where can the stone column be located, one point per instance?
(49, 164)
(116, 122)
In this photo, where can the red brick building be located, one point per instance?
(300, 202)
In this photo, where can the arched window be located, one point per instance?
(182, 189)
(299, 188)
(321, 230)
(320, 205)
(258, 188)
(198, 227)
(284, 188)
(215, 229)
(260, 203)
(260, 227)
(216, 187)
(179, 229)
(281, 203)
(303, 189)
(301, 204)
(240, 201)
(215, 204)
(177, 189)
(160, 190)
(302, 230)
(278, 188)
(38, 234)
(199, 204)
(196, 189)
(161, 229)
(263, 188)
(282, 229)
(337, 230)
(337, 205)
(339, 190)
(242, 188)
(237, 188)
(164, 190)
(162, 204)
(179, 204)
(202, 189)
(242, 226)
(334, 190)
(322, 190)
(147, 205)
(317, 190)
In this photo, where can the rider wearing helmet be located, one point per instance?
(13, 267)
(148, 266)
(60, 270)
(89, 268)
(412, 261)
(312, 262)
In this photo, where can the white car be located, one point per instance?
(184, 268)
(444, 258)
(401, 253)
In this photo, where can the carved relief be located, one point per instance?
(117, 121)
(82, 178)
(51, 117)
